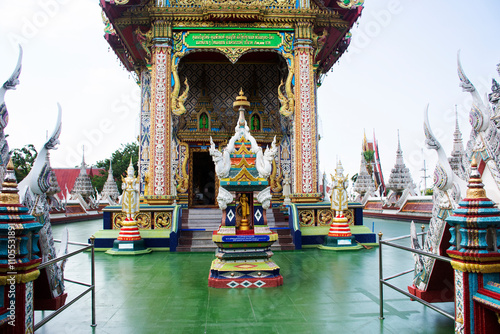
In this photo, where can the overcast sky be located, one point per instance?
(402, 56)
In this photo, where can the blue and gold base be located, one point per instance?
(340, 243)
(244, 261)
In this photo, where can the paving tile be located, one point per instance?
(323, 292)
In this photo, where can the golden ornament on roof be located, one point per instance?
(241, 101)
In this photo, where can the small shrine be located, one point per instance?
(243, 257)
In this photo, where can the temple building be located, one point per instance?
(191, 58)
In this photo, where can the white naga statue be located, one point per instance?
(130, 198)
(10, 84)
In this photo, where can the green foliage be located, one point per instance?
(120, 159)
(354, 178)
(369, 158)
(429, 191)
(23, 160)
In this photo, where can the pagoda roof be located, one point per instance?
(125, 19)
(66, 177)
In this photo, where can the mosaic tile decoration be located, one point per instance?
(223, 82)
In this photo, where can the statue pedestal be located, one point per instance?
(129, 240)
(339, 236)
(244, 261)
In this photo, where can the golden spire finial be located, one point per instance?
(241, 101)
(10, 165)
(9, 193)
(475, 188)
(473, 163)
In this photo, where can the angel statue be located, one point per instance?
(339, 193)
(130, 198)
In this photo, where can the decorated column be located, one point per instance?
(476, 259)
(305, 147)
(18, 260)
(159, 165)
(145, 137)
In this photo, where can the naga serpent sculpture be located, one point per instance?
(287, 102)
(178, 101)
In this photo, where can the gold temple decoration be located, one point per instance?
(241, 101)
(475, 188)
(182, 176)
(145, 40)
(275, 179)
(287, 102)
(233, 54)
(177, 102)
(9, 194)
(245, 211)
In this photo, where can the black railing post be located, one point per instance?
(380, 277)
(92, 280)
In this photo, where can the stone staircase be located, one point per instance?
(198, 226)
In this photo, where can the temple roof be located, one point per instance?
(128, 24)
(66, 177)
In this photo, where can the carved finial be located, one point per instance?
(9, 193)
(475, 188)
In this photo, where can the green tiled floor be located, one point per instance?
(323, 292)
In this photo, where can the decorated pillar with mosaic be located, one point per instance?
(19, 260)
(145, 128)
(475, 227)
(163, 63)
(243, 257)
(305, 134)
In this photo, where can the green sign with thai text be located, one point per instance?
(234, 39)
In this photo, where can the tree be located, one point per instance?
(369, 158)
(23, 160)
(120, 159)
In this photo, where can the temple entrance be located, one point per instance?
(203, 190)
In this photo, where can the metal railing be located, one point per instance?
(90, 287)
(383, 281)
